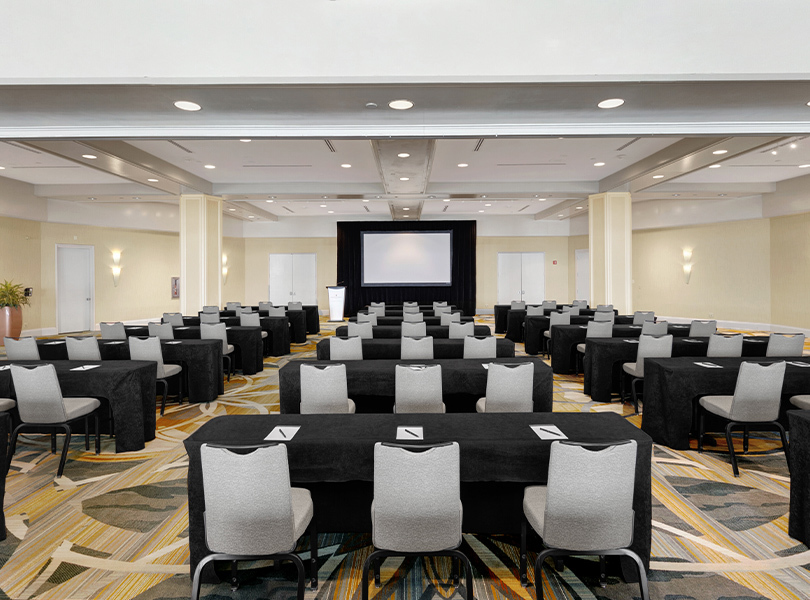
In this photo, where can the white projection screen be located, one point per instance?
(407, 258)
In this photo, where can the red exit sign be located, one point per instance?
(554, 262)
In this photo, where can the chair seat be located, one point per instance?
(78, 407)
(534, 506)
(6, 404)
(632, 369)
(264, 334)
(170, 370)
(547, 333)
(798, 401)
(302, 510)
(718, 405)
(581, 348)
(229, 350)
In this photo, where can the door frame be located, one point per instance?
(92, 281)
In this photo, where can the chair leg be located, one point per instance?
(112, 421)
(228, 367)
(53, 441)
(701, 426)
(299, 564)
(745, 439)
(602, 571)
(364, 578)
(455, 569)
(195, 580)
(731, 449)
(467, 570)
(538, 571)
(377, 568)
(98, 434)
(165, 393)
(234, 576)
(313, 555)
(642, 573)
(524, 579)
(13, 444)
(634, 391)
(784, 443)
(87, 432)
(63, 459)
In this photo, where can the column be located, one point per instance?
(200, 252)
(610, 239)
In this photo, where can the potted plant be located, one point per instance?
(12, 299)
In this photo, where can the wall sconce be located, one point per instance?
(224, 274)
(687, 267)
(116, 269)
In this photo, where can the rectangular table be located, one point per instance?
(332, 456)
(534, 328)
(799, 519)
(312, 322)
(671, 385)
(604, 357)
(397, 320)
(127, 385)
(392, 349)
(395, 331)
(277, 328)
(371, 383)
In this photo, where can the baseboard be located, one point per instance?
(743, 325)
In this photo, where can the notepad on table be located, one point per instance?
(5, 367)
(115, 342)
(85, 367)
(796, 363)
(54, 343)
(283, 433)
(410, 433)
(583, 327)
(635, 326)
(549, 432)
(631, 341)
(708, 365)
(485, 365)
(179, 328)
(174, 342)
(694, 341)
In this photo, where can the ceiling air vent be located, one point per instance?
(183, 148)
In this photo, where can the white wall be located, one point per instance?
(791, 197)
(17, 200)
(654, 214)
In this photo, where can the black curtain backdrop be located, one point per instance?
(461, 292)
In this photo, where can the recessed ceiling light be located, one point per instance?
(406, 208)
(808, 104)
(90, 156)
(720, 152)
(560, 215)
(431, 197)
(599, 164)
(186, 105)
(448, 199)
(251, 217)
(269, 201)
(324, 197)
(273, 197)
(462, 165)
(371, 105)
(400, 104)
(331, 212)
(404, 178)
(88, 198)
(377, 196)
(483, 196)
(793, 146)
(714, 166)
(541, 199)
(403, 155)
(721, 194)
(323, 205)
(245, 140)
(803, 166)
(346, 166)
(2, 168)
(774, 152)
(611, 103)
(405, 216)
(579, 207)
(487, 205)
(136, 197)
(676, 195)
(366, 200)
(210, 166)
(480, 211)
(658, 176)
(232, 209)
(153, 180)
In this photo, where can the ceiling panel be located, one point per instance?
(40, 168)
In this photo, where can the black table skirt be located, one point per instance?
(390, 349)
(395, 331)
(311, 317)
(277, 328)
(371, 383)
(397, 321)
(332, 455)
(128, 386)
(425, 309)
(671, 385)
(501, 313)
(604, 357)
(534, 328)
(799, 519)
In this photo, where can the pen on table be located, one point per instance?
(549, 431)
(281, 431)
(412, 433)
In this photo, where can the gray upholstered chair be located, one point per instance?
(700, 328)
(413, 348)
(785, 344)
(802, 401)
(276, 311)
(174, 319)
(295, 306)
(649, 346)
(517, 305)
(604, 316)
(209, 318)
(549, 305)
(113, 331)
(413, 329)
(162, 331)
(440, 305)
(585, 508)
(361, 330)
(440, 310)
(253, 319)
(266, 305)
(218, 331)
(725, 345)
(459, 331)
(377, 310)
(84, 348)
(42, 408)
(410, 305)
(350, 348)
(417, 506)
(367, 318)
(324, 389)
(24, 348)
(410, 309)
(596, 329)
(480, 347)
(604, 307)
(211, 309)
(640, 317)
(755, 403)
(245, 310)
(535, 311)
(151, 350)
(447, 318)
(413, 317)
(509, 388)
(377, 304)
(554, 319)
(653, 328)
(252, 512)
(580, 303)
(6, 406)
(418, 389)
(573, 310)
(235, 306)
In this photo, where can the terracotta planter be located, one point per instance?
(10, 322)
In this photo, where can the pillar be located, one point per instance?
(610, 240)
(200, 252)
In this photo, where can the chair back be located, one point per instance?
(85, 348)
(580, 303)
(785, 344)
(439, 305)
(417, 498)
(147, 349)
(440, 310)
(413, 329)
(599, 329)
(480, 347)
(246, 310)
(113, 331)
(414, 317)
(24, 348)
(209, 318)
(362, 330)
(418, 389)
(604, 307)
(515, 305)
(235, 306)
(250, 320)
(459, 331)
(345, 348)
(535, 311)
(265, 305)
(248, 502)
(367, 318)
(410, 305)
(410, 310)
(556, 318)
(324, 389)
(215, 331)
(604, 316)
(447, 318)
(653, 328)
(174, 319)
(276, 311)
(377, 304)
(589, 499)
(295, 306)
(549, 305)
(725, 345)
(416, 348)
(640, 317)
(650, 346)
(702, 328)
(376, 310)
(510, 387)
(211, 309)
(758, 393)
(573, 311)
(163, 331)
(39, 397)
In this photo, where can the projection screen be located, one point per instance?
(407, 258)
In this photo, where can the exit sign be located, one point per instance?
(554, 262)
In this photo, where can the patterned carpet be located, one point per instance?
(115, 526)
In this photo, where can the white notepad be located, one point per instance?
(549, 432)
(54, 343)
(796, 363)
(175, 342)
(179, 328)
(635, 326)
(117, 342)
(693, 341)
(632, 341)
(485, 365)
(5, 367)
(85, 367)
(283, 433)
(410, 433)
(708, 365)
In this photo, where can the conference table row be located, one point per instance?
(533, 328)
(305, 321)
(398, 320)
(280, 331)
(397, 310)
(502, 314)
(395, 331)
(391, 348)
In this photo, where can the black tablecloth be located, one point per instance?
(391, 349)
(672, 384)
(395, 331)
(332, 455)
(396, 321)
(311, 317)
(371, 383)
(396, 310)
(278, 329)
(799, 520)
(604, 357)
(534, 328)
(564, 340)
(127, 385)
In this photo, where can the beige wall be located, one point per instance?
(790, 270)
(19, 262)
(575, 242)
(730, 278)
(233, 289)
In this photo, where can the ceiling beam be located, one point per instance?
(404, 175)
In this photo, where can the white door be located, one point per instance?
(533, 277)
(305, 278)
(280, 284)
(509, 277)
(74, 288)
(583, 274)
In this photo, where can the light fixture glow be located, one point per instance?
(116, 257)
(186, 105)
(406, 208)
(232, 209)
(153, 180)
(400, 104)
(2, 168)
(346, 166)
(598, 164)
(720, 152)
(251, 217)
(579, 207)
(803, 166)
(269, 201)
(541, 199)
(324, 197)
(714, 166)
(404, 178)
(366, 200)
(687, 254)
(403, 155)
(611, 103)
(774, 152)
(793, 146)
(116, 273)
(405, 216)
(487, 205)
(561, 215)
(323, 205)
(448, 199)
(210, 166)
(480, 211)
(658, 176)
(462, 165)
(89, 156)
(246, 140)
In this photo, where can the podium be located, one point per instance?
(337, 299)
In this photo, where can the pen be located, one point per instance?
(412, 433)
(281, 431)
(549, 431)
